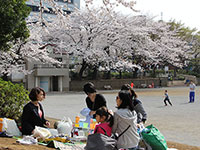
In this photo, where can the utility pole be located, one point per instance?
(161, 15)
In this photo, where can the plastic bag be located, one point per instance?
(54, 132)
(65, 126)
(154, 138)
(86, 112)
(12, 128)
(3, 125)
(27, 140)
(41, 133)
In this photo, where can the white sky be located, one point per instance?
(186, 11)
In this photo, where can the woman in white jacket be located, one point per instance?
(123, 117)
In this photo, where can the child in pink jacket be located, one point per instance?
(104, 120)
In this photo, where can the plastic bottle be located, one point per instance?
(91, 124)
(77, 119)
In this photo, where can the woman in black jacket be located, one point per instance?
(33, 114)
(93, 100)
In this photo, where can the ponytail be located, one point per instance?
(103, 111)
(110, 119)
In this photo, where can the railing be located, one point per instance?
(37, 66)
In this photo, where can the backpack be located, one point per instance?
(152, 136)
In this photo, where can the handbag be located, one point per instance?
(98, 141)
(154, 138)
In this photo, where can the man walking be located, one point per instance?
(192, 91)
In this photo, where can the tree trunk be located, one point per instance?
(174, 72)
(95, 73)
(154, 72)
(83, 67)
(108, 76)
(120, 74)
(135, 73)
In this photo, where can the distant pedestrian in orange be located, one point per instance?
(132, 84)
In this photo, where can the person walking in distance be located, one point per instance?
(192, 91)
(167, 99)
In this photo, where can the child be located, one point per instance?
(105, 120)
(167, 98)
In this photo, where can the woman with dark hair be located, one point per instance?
(125, 116)
(33, 114)
(138, 107)
(93, 101)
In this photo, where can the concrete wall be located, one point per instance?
(198, 81)
(36, 78)
(117, 83)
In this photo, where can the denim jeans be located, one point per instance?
(192, 96)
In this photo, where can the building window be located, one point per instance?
(36, 9)
(66, 1)
(59, 59)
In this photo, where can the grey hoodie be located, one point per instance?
(122, 119)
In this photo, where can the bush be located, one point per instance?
(12, 99)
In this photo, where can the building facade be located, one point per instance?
(50, 77)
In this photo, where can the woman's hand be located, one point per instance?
(47, 124)
(111, 112)
(92, 112)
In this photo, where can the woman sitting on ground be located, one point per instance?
(125, 116)
(137, 104)
(33, 114)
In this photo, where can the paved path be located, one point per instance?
(179, 123)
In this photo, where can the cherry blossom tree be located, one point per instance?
(102, 39)
(107, 40)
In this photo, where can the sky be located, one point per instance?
(184, 11)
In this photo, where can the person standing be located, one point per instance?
(33, 114)
(192, 91)
(167, 99)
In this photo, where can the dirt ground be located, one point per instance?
(11, 144)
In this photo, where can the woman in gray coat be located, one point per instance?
(123, 117)
(137, 104)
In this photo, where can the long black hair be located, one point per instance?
(103, 111)
(128, 87)
(125, 97)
